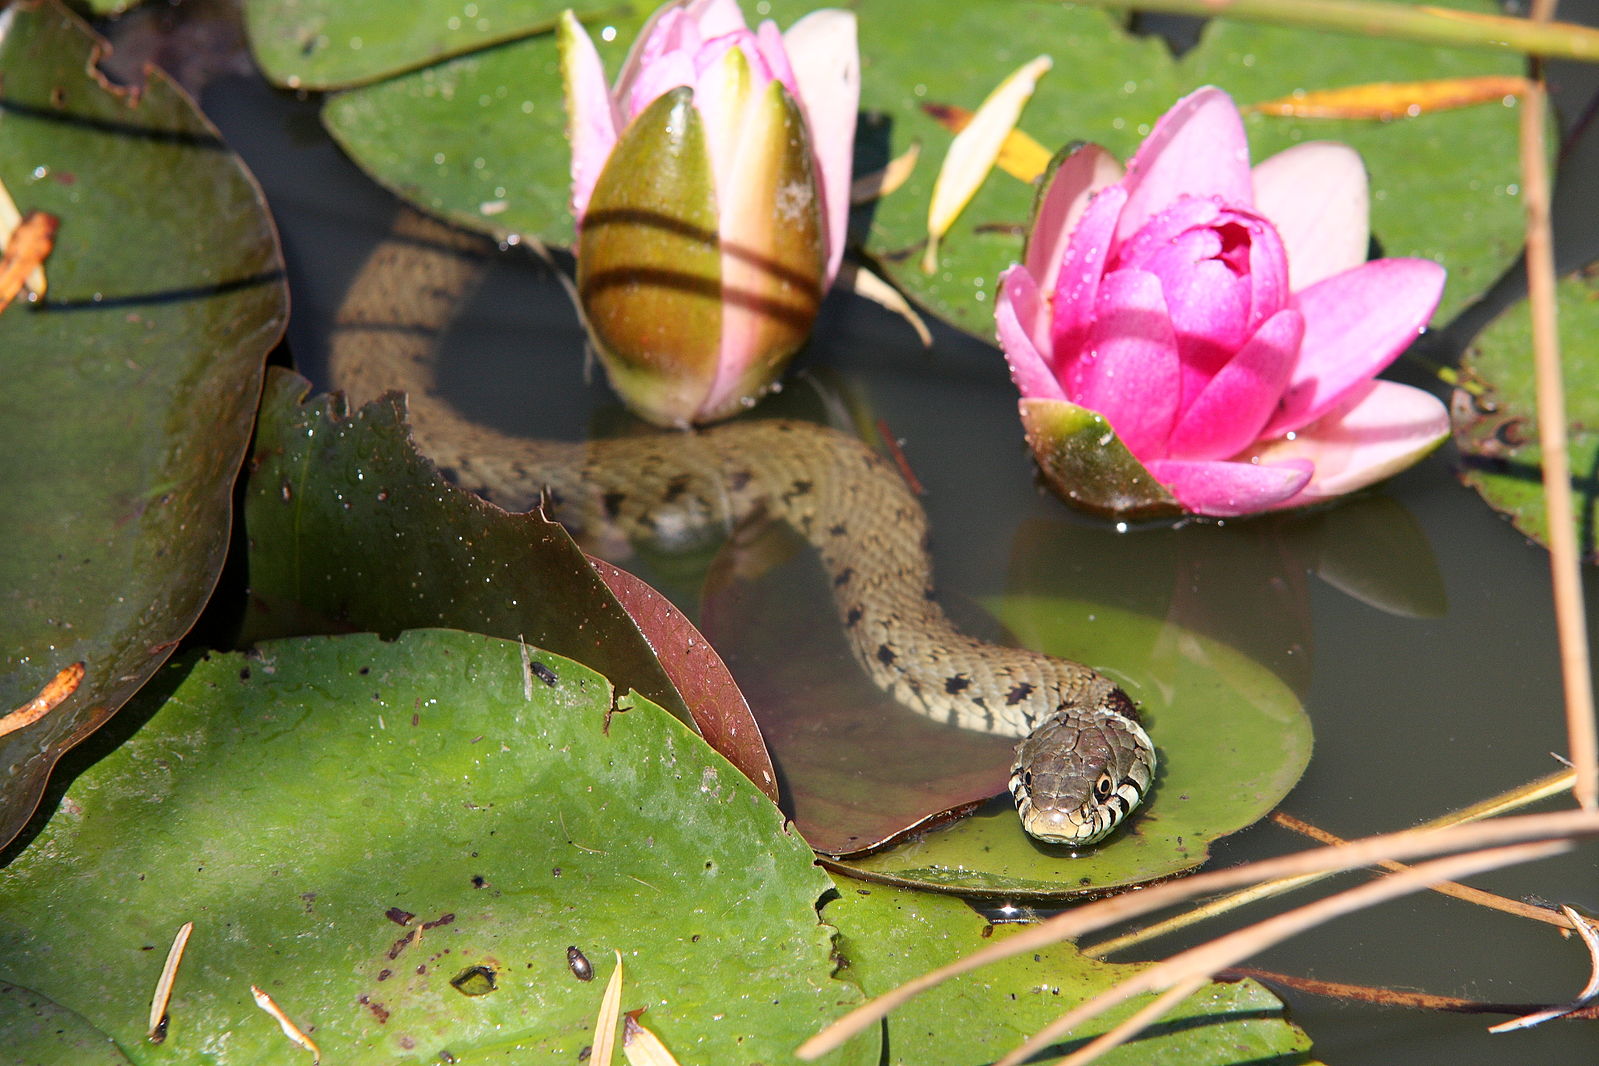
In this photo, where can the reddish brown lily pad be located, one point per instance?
(859, 771)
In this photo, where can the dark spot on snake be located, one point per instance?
(579, 964)
(1017, 694)
(738, 479)
(479, 881)
(450, 473)
(676, 487)
(853, 616)
(378, 1010)
(799, 488)
(543, 673)
(843, 576)
(885, 654)
(612, 502)
(837, 529)
(958, 683)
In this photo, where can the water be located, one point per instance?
(1413, 716)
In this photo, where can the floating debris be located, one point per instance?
(163, 987)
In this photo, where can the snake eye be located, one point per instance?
(1102, 787)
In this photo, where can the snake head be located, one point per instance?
(1081, 772)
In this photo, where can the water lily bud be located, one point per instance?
(710, 189)
(1193, 335)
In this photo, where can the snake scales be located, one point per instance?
(1084, 762)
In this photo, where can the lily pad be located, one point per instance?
(1109, 87)
(350, 529)
(38, 1031)
(329, 44)
(1232, 740)
(354, 824)
(129, 393)
(496, 156)
(1498, 432)
(889, 936)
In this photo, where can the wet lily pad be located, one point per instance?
(496, 157)
(352, 824)
(1232, 740)
(129, 393)
(350, 529)
(40, 1031)
(328, 44)
(1498, 433)
(889, 936)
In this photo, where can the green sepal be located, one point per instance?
(649, 272)
(1086, 464)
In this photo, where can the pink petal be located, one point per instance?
(715, 18)
(1315, 194)
(1076, 292)
(1381, 428)
(680, 27)
(1130, 372)
(1224, 490)
(1227, 415)
(827, 71)
(590, 115)
(1356, 323)
(773, 59)
(1071, 187)
(1196, 149)
(1020, 317)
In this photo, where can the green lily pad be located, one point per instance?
(494, 124)
(496, 159)
(129, 393)
(350, 529)
(889, 936)
(1109, 88)
(371, 830)
(1232, 740)
(38, 1031)
(329, 44)
(1498, 433)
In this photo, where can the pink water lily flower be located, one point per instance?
(1222, 320)
(710, 186)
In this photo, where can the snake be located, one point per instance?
(1083, 761)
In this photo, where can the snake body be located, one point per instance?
(1084, 762)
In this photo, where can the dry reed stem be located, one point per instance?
(1565, 562)
(1518, 797)
(1590, 940)
(1218, 954)
(1071, 924)
(1388, 997)
(1453, 889)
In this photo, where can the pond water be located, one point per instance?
(1418, 633)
